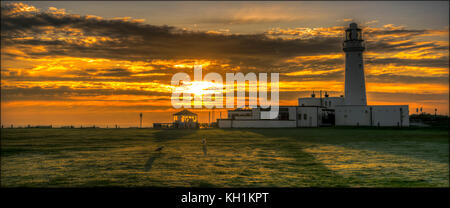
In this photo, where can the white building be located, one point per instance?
(351, 110)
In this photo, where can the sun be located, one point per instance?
(202, 87)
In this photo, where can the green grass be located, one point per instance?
(319, 157)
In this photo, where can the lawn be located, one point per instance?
(316, 157)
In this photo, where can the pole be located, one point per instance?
(321, 103)
(140, 122)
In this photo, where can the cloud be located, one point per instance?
(371, 22)
(88, 36)
(253, 15)
(393, 78)
(118, 72)
(54, 55)
(440, 62)
(66, 93)
(133, 40)
(248, 20)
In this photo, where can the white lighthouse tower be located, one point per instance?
(355, 87)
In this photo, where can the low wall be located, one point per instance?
(375, 115)
(223, 123)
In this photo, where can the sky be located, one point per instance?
(102, 63)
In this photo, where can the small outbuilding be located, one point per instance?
(185, 119)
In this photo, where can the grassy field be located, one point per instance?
(319, 157)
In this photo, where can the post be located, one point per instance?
(140, 121)
(321, 102)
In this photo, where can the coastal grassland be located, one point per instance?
(310, 157)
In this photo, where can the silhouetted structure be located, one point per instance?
(185, 119)
(182, 119)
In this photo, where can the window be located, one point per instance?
(283, 116)
(305, 116)
(359, 34)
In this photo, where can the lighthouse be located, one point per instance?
(313, 111)
(355, 87)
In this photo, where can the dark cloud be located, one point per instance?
(393, 78)
(441, 62)
(136, 41)
(388, 46)
(115, 73)
(141, 41)
(388, 31)
(66, 93)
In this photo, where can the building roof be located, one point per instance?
(185, 113)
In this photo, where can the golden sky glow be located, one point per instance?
(105, 70)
